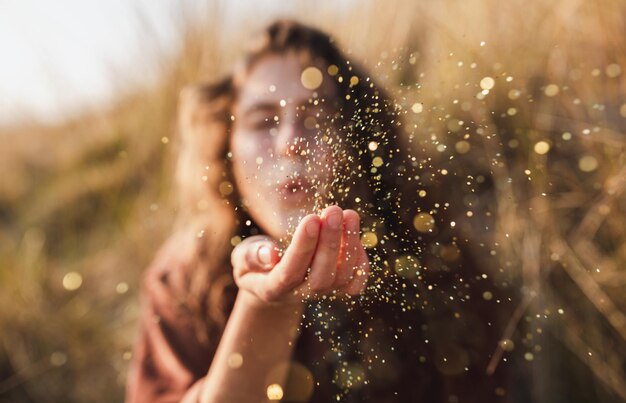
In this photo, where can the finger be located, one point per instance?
(324, 264)
(257, 253)
(291, 270)
(350, 244)
(362, 272)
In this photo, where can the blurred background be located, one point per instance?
(523, 101)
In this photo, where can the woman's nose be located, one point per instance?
(290, 140)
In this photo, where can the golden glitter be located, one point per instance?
(274, 392)
(354, 80)
(121, 288)
(72, 281)
(165, 140)
(369, 239)
(542, 147)
(333, 70)
(511, 111)
(226, 188)
(514, 94)
(451, 359)
(235, 360)
(487, 296)
(373, 146)
(417, 107)
(507, 344)
(487, 83)
(588, 163)
(310, 123)
(236, 240)
(613, 70)
(462, 147)
(311, 78)
(58, 358)
(551, 90)
(259, 160)
(377, 162)
(407, 266)
(297, 380)
(529, 356)
(424, 222)
(421, 193)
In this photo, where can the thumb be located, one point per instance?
(267, 255)
(257, 253)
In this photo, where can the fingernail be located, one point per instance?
(352, 226)
(312, 228)
(334, 220)
(265, 256)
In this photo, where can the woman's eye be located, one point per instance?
(264, 123)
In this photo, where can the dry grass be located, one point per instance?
(92, 195)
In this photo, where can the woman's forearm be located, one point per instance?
(257, 338)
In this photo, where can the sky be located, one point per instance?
(61, 57)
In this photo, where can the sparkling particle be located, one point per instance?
(236, 240)
(487, 83)
(417, 107)
(487, 296)
(369, 239)
(566, 136)
(226, 188)
(373, 146)
(407, 266)
(333, 70)
(259, 160)
(551, 90)
(58, 358)
(424, 222)
(354, 80)
(311, 78)
(542, 147)
(613, 70)
(529, 356)
(588, 163)
(121, 288)
(274, 392)
(514, 94)
(377, 162)
(507, 344)
(235, 360)
(283, 103)
(462, 147)
(72, 281)
(165, 140)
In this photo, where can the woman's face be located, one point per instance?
(282, 160)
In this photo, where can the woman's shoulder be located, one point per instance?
(170, 270)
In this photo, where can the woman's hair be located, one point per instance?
(380, 169)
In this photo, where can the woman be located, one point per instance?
(288, 170)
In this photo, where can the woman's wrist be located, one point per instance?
(250, 300)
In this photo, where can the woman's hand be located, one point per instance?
(329, 245)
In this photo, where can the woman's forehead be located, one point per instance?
(284, 77)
